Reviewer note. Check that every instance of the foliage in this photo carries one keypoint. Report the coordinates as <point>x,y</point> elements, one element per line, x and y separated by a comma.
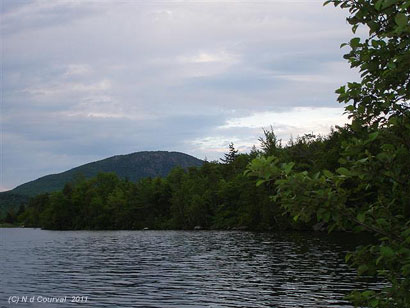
<point>11,201</point>
<point>383,58</point>
<point>368,190</point>
<point>133,166</point>
<point>231,155</point>
<point>215,195</point>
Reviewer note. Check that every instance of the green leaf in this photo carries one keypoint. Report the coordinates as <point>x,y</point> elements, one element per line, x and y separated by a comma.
<point>382,222</point>
<point>361,217</point>
<point>388,3</point>
<point>386,252</point>
<point>260,182</point>
<point>341,90</point>
<point>401,20</point>
<point>288,167</point>
<point>343,171</point>
<point>372,137</point>
<point>391,65</point>
<point>378,5</point>
<point>368,293</point>
<point>327,173</point>
<point>382,156</point>
<point>362,269</point>
<point>406,270</point>
<point>356,125</point>
<point>354,28</point>
<point>350,108</point>
<point>374,302</point>
<point>355,42</point>
<point>393,120</point>
<point>363,160</point>
<point>406,233</point>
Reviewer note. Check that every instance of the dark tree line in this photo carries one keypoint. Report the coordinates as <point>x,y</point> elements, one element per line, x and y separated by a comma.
<point>218,195</point>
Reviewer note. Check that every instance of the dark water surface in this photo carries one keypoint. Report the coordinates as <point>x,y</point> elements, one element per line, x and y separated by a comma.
<point>174,268</point>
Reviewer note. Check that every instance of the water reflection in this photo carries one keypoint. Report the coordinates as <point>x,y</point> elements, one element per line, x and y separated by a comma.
<point>176,268</point>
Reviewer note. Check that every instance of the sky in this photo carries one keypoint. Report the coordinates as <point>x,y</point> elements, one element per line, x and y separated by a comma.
<point>85,80</point>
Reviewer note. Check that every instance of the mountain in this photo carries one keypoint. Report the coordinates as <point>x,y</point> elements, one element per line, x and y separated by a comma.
<point>132,166</point>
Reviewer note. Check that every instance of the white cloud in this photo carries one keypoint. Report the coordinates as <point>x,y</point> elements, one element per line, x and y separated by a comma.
<point>214,146</point>
<point>65,88</point>
<point>105,115</point>
<point>245,131</point>
<point>309,119</point>
<point>209,57</point>
<point>77,69</point>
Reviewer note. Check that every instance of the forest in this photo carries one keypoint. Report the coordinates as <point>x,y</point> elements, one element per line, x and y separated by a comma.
<point>355,179</point>
<point>217,195</point>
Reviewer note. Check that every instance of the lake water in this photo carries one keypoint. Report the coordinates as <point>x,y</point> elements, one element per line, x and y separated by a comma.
<point>173,269</point>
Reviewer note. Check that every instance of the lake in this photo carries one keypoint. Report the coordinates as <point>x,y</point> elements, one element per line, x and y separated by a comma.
<point>174,269</point>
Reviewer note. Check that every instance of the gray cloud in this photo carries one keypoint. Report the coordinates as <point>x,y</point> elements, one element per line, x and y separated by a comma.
<point>83,80</point>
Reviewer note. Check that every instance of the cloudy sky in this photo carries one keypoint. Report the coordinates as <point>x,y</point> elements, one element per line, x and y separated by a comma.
<point>85,80</point>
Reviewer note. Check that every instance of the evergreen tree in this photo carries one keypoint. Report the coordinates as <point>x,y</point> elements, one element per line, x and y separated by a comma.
<point>231,155</point>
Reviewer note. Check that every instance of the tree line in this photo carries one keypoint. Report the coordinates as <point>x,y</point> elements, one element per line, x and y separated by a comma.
<point>217,195</point>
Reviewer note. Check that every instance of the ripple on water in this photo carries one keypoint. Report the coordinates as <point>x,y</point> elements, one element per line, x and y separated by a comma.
<point>176,268</point>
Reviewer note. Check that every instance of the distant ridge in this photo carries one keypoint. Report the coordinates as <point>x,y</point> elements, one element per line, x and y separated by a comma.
<point>133,166</point>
